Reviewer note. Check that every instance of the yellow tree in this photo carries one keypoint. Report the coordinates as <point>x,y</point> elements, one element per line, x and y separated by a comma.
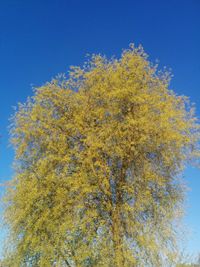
<point>98,159</point>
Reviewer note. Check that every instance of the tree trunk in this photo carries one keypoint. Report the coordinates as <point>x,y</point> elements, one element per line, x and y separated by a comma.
<point>117,238</point>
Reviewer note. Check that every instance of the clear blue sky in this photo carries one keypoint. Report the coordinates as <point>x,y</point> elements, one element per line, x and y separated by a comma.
<point>41,38</point>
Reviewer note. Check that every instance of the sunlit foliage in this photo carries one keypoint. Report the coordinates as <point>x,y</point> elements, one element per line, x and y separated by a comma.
<point>98,158</point>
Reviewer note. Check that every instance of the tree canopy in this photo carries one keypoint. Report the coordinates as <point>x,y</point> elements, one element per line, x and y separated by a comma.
<point>98,160</point>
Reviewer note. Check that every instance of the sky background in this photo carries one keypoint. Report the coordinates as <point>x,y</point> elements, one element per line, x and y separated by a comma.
<point>41,38</point>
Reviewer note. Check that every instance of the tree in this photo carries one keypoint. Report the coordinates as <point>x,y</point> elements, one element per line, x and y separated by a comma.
<point>187,260</point>
<point>98,160</point>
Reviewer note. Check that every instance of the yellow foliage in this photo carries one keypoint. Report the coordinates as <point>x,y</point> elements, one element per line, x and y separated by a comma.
<point>97,161</point>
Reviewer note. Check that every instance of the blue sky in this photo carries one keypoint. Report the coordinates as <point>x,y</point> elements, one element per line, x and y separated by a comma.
<point>41,38</point>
